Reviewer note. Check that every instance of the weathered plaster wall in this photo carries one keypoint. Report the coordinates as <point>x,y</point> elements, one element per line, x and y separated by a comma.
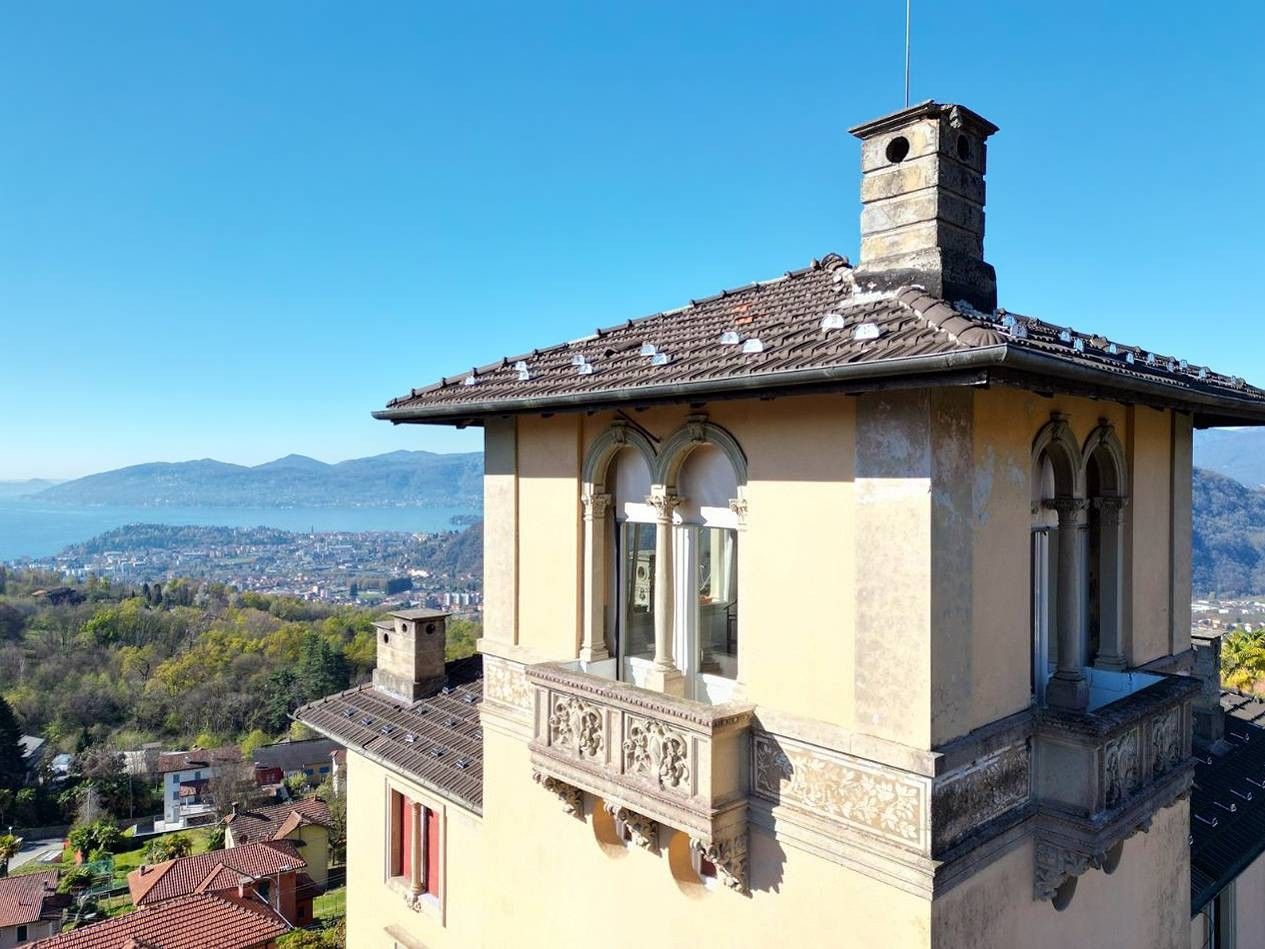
<point>1144,904</point>
<point>500,530</point>
<point>1150,524</point>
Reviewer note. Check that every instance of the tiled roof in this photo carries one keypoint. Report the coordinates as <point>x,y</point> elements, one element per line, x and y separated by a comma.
<point>170,761</point>
<point>813,327</point>
<point>295,755</point>
<point>1227,803</point>
<point>172,878</point>
<point>273,823</point>
<point>22,897</point>
<point>197,921</point>
<point>436,741</point>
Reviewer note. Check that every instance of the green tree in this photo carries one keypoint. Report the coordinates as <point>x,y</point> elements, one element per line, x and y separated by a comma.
<point>168,847</point>
<point>9,847</point>
<point>12,764</point>
<point>322,669</point>
<point>255,740</point>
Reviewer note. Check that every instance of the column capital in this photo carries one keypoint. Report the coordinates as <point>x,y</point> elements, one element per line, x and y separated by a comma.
<point>664,504</point>
<point>595,505</point>
<point>739,507</point>
<point>1110,509</point>
<point>1069,510</point>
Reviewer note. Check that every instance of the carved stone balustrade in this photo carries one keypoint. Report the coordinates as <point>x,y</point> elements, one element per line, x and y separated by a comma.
<point>679,763</point>
<point>1102,774</point>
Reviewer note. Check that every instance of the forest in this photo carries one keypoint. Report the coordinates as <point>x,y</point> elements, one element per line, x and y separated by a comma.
<point>183,662</point>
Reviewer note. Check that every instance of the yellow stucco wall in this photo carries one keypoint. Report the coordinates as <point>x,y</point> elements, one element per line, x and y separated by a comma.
<point>529,874</point>
<point>887,536</point>
<point>1144,904</point>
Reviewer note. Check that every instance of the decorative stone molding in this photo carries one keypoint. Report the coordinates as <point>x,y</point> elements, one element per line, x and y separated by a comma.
<point>739,507</point>
<point>1122,771</point>
<point>639,829</point>
<point>655,752</point>
<point>573,723</point>
<point>729,856</point>
<point>679,763</point>
<point>572,797</point>
<point>1068,509</point>
<point>880,801</point>
<point>664,506</point>
<point>970,797</point>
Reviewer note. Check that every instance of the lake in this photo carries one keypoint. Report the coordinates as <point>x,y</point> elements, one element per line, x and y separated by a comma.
<point>29,529</point>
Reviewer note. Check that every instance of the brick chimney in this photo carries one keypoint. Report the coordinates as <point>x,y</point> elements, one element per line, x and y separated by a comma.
<point>1209,717</point>
<point>411,653</point>
<point>922,202</point>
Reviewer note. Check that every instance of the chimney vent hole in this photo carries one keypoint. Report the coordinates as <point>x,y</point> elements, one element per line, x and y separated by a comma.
<point>386,638</point>
<point>897,149</point>
<point>430,628</point>
<point>964,148</point>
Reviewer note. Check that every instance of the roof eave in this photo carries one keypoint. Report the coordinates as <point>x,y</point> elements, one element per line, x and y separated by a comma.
<point>982,357</point>
<point>1211,409</point>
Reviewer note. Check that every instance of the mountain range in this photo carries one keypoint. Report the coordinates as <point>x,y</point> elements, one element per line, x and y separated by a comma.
<point>399,478</point>
<point>1238,453</point>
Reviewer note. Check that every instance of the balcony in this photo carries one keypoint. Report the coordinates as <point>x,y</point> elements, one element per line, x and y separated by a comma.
<point>1102,773</point>
<point>652,758</point>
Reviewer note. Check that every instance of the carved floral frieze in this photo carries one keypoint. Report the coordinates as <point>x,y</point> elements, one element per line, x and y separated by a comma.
<point>657,753</point>
<point>1166,741</point>
<point>505,683</point>
<point>970,797</point>
<point>879,801</point>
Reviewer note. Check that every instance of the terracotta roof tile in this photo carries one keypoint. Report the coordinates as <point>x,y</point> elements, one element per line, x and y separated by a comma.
<point>197,921</point>
<point>797,349</point>
<point>197,758</point>
<point>273,823</point>
<point>173,878</point>
<point>437,741</point>
<point>22,898</point>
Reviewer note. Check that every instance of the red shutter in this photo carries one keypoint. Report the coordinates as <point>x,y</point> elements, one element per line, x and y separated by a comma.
<point>432,852</point>
<point>394,840</point>
<point>406,838</point>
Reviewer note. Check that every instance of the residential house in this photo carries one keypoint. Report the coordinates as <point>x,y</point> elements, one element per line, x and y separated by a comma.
<point>271,870</point>
<point>304,823</point>
<point>224,920</point>
<point>840,606</point>
<point>186,777</point>
<point>308,758</point>
<point>34,752</point>
<point>30,908</point>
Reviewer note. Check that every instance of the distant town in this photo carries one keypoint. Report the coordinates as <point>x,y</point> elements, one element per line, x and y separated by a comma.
<point>442,569</point>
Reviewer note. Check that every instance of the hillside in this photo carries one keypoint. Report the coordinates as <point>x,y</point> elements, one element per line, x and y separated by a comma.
<point>1236,453</point>
<point>17,489</point>
<point>1229,536</point>
<point>401,478</point>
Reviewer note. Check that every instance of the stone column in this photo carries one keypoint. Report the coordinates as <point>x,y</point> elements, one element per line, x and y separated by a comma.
<point>593,646</point>
<point>419,848</point>
<point>664,675</point>
<point>1068,687</point>
<point>1111,583</point>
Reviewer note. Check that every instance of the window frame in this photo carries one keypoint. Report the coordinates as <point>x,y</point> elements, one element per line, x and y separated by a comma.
<point>434,847</point>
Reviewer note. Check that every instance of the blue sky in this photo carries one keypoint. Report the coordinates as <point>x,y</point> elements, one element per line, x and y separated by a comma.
<point>232,230</point>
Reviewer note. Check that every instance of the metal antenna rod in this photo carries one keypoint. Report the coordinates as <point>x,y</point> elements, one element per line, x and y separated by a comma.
<point>907,3</point>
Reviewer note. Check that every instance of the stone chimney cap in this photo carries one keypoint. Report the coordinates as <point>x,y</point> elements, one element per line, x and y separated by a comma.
<point>958,116</point>
<point>420,614</point>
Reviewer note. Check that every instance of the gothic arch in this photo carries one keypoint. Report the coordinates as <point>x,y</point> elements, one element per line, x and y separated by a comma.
<point>1056,442</point>
<point>1103,439</point>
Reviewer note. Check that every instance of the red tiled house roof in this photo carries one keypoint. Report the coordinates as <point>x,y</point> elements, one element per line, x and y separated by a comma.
<point>275,822</point>
<point>184,875</point>
<point>196,921</point>
<point>23,898</point>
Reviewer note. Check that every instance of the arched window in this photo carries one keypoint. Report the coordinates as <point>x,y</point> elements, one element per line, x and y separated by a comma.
<point>1104,588</point>
<point>1058,575</point>
<point>633,564</point>
<point>708,567</point>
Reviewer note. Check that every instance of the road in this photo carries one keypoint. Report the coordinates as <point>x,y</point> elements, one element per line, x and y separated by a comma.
<point>35,849</point>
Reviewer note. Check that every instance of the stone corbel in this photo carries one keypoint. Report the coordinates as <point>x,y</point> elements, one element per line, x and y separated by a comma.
<point>639,829</point>
<point>729,856</point>
<point>1057,866</point>
<point>572,797</point>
